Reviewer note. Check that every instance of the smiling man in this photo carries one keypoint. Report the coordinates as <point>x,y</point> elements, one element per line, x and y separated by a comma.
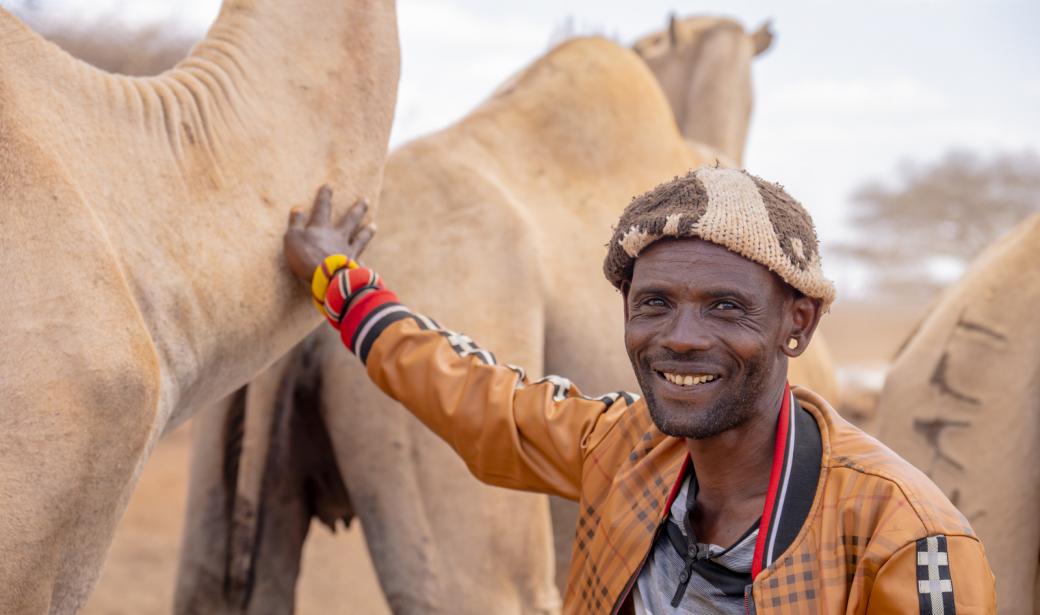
<point>722,490</point>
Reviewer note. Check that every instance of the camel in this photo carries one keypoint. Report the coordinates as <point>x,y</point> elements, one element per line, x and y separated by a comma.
<point>960,403</point>
<point>494,225</point>
<point>702,65</point>
<point>159,204</point>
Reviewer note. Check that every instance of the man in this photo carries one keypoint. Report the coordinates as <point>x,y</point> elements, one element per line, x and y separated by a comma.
<point>722,489</point>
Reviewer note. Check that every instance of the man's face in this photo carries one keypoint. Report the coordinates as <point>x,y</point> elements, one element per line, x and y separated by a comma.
<point>705,329</point>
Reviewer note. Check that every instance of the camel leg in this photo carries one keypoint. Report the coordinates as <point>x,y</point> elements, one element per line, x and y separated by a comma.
<point>203,553</point>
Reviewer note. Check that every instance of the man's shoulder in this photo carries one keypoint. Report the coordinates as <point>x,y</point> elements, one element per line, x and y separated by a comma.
<point>626,424</point>
<point>627,436</point>
<point>880,479</point>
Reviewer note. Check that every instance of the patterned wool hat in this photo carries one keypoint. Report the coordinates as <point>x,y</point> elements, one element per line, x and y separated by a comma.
<point>743,213</point>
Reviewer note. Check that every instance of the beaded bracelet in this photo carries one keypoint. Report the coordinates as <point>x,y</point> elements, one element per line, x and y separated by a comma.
<point>347,287</point>
<point>323,274</point>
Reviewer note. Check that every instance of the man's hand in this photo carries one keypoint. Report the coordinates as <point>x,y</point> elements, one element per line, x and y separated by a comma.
<point>309,241</point>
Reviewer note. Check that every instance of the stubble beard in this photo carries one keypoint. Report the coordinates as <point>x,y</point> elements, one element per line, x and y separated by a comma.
<point>728,412</point>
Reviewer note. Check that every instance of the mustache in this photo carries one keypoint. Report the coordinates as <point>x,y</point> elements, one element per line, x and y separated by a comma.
<point>690,357</point>
<point>682,357</point>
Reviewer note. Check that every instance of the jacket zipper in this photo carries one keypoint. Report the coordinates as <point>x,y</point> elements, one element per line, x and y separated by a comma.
<point>747,600</point>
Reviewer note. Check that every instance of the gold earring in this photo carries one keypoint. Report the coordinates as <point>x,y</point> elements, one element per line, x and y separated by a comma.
<point>792,343</point>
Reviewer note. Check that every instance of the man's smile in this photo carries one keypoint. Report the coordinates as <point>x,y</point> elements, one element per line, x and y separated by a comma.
<point>687,379</point>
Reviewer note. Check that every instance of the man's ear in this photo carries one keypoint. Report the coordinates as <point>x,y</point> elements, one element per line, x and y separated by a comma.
<point>803,315</point>
<point>625,285</point>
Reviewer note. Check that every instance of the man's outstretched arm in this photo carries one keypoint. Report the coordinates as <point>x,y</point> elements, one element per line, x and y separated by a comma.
<point>510,431</point>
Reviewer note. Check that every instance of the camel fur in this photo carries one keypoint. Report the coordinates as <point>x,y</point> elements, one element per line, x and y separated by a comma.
<point>156,206</point>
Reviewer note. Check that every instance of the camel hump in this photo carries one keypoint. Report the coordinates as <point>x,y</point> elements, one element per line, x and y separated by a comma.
<point>586,106</point>
<point>584,75</point>
<point>581,64</point>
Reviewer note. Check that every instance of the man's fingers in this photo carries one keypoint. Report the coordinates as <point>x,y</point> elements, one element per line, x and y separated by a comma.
<point>297,218</point>
<point>352,219</point>
<point>322,207</point>
<point>361,239</point>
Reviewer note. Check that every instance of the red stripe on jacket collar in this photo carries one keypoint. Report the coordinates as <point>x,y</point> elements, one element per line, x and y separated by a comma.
<point>783,426</point>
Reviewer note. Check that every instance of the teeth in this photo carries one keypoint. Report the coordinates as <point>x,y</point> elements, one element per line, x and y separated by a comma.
<point>688,379</point>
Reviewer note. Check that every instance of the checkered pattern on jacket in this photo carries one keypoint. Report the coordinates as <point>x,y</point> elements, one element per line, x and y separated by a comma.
<point>626,482</point>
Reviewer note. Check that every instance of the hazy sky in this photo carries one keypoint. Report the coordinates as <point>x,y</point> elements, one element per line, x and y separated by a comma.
<point>847,91</point>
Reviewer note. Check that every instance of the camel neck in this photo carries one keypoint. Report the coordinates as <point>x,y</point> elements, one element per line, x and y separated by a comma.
<point>188,176</point>
<point>708,84</point>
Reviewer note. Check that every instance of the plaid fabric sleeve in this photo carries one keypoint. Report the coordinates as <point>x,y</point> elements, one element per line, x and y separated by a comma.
<point>511,431</point>
<point>935,575</point>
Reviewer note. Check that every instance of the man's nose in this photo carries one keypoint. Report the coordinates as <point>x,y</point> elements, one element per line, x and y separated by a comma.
<point>687,332</point>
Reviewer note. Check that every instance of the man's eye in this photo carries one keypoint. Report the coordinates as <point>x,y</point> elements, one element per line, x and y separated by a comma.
<point>726,305</point>
<point>654,302</point>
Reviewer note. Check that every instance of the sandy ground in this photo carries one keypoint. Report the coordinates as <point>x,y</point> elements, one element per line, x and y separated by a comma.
<point>337,574</point>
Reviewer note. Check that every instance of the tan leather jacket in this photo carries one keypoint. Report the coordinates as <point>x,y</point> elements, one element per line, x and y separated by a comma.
<point>848,527</point>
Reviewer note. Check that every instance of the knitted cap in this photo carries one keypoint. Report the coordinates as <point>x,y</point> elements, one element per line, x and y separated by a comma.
<point>734,209</point>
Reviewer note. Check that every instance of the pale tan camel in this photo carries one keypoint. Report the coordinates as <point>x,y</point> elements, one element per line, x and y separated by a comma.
<point>155,207</point>
<point>703,66</point>
<point>961,403</point>
<point>494,225</point>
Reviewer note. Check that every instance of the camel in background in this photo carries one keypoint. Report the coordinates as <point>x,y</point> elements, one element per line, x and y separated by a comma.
<point>495,225</point>
<point>158,205</point>
<point>703,67</point>
<point>960,402</point>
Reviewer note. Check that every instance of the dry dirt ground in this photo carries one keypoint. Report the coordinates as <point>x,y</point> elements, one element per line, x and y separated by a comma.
<point>337,574</point>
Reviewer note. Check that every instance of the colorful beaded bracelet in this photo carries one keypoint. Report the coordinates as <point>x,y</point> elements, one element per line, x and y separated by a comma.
<point>323,274</point>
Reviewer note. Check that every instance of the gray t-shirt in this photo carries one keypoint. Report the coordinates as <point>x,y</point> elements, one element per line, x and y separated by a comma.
<point>715,579</point>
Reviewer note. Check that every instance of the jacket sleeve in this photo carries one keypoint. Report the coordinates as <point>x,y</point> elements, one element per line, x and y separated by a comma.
<point>511,432</point>
<point>933,574</point>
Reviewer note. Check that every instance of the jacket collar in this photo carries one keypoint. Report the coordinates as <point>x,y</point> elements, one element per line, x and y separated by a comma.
<point>797,455</point>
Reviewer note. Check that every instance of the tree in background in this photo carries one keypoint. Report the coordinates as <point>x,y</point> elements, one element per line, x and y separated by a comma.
<point>917,235</point>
